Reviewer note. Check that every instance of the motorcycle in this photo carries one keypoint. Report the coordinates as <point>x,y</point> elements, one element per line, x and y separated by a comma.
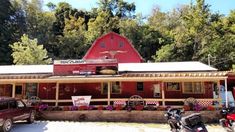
<point>228,119</point>
<point>179,123</point>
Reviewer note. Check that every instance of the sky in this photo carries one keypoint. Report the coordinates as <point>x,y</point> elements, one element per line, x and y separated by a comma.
<point>145,6</point>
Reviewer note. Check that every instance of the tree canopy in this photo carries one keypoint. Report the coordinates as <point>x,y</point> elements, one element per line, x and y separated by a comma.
<point>27,51</point>
<point>187,33</point>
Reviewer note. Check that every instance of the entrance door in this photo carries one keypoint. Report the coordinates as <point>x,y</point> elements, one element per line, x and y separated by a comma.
<point>157,90</point>
<point>19,91</point>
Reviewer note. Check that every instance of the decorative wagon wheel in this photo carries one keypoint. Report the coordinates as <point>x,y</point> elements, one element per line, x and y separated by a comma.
<point>191,102</point>
<point>135,100</point>
<point>34,100</point>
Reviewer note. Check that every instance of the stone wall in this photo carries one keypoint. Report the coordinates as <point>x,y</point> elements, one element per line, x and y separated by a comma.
<point>121,116</point>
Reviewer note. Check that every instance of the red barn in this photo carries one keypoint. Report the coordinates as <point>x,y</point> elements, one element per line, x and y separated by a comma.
<point>113,46</point>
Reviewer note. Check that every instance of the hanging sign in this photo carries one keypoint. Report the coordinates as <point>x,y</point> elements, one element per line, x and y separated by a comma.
<point>81,100</point>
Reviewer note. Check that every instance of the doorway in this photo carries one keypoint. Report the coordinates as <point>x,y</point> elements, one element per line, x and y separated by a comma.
<point>19,91</point>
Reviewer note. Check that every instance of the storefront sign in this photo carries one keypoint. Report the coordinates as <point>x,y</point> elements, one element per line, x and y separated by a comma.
<point>81,100</point>
<point>69,61</point>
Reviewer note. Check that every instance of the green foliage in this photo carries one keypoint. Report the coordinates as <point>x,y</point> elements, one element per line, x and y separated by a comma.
<point>28,52</point>
<point>190,32</point>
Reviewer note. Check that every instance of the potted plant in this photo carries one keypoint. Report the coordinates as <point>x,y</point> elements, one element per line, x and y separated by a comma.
<point>100,107</point>
<point>139,107</point>
<point>118,107</point>
<point>83,107</point>
<point>109,107</point>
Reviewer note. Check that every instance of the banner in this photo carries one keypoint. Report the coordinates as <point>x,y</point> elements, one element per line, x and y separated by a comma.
<point>81,100</point>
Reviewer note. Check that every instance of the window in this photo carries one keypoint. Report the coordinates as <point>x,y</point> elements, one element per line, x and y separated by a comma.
<point>172,86</point>
<point>20,104</point>
<point>12,104</point>
<point>104,88</point>
<point>193,87</point>
<point>18,89</point>
<point>102,45</point>
<point>140,86</point>
<point>31,89</point>
<point>121,44</point>
<point>115,88</point>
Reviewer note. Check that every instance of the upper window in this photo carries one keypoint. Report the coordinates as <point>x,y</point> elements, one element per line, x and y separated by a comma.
<point>120,44</point>
<point>102,45</point>
<point>140,86</point>
<point>193,87</point>
<point>172,86</point>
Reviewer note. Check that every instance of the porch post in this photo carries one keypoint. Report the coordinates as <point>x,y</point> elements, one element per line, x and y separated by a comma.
<point>109,91</point>
<point>57,94</point>
<point>13,90</point>
<point>219,95</point>
<point>163,93</point>
<point>226,92</point>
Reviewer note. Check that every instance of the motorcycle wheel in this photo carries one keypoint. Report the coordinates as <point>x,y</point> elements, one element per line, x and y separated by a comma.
<point>173,125</point>
<point>233,127</point>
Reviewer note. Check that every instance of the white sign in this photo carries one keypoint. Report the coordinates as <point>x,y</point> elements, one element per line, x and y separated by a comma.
<point>81,100</point>
<point>69,61</point>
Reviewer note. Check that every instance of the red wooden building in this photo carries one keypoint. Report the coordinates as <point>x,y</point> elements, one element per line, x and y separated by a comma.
<point>113,70</point>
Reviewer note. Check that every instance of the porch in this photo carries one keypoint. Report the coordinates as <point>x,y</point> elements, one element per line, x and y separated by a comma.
<point>102,94</point>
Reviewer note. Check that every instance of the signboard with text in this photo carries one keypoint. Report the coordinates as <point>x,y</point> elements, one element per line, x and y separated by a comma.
<point>81,100</point>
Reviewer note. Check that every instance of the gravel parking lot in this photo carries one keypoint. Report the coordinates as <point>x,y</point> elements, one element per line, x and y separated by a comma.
<point>66,126</point>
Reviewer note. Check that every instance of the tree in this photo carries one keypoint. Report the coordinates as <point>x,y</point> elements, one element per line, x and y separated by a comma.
<point>28,52</point>
<point>117,8</point>
<point>73,43</point>
<point>102,24</point>
<point>145,39</point>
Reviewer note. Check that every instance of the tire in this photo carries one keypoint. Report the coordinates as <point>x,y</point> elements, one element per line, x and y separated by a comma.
<point>7,125</point>
<point>233,127</point>
<point>173,125</point>
<point>31,117</point>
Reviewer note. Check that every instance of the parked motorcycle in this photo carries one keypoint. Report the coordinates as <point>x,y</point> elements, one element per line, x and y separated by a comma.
<point>228,119</point>
<point>179,123</point>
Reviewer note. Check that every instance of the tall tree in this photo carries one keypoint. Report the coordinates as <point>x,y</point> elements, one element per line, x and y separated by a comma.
<point>28,52</point>
<point>117,8</point>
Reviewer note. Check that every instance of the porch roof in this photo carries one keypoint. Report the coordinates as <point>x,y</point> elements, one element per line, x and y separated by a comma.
<point>26,69</point>
<point>163,76</point>
<point>25,76</point>
<point>188,66</point>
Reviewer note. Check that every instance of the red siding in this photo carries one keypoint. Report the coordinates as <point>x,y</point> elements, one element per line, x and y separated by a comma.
<point>120,47</point>
<point>47,90</point>
<point>127,89</point>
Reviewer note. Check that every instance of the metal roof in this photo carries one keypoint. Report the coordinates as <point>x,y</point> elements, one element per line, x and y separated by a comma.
<point>26,69</point>
<point>192,66</point>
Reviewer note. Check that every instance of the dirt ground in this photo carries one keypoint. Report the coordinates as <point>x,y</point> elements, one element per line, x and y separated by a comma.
<point>68,126</point>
